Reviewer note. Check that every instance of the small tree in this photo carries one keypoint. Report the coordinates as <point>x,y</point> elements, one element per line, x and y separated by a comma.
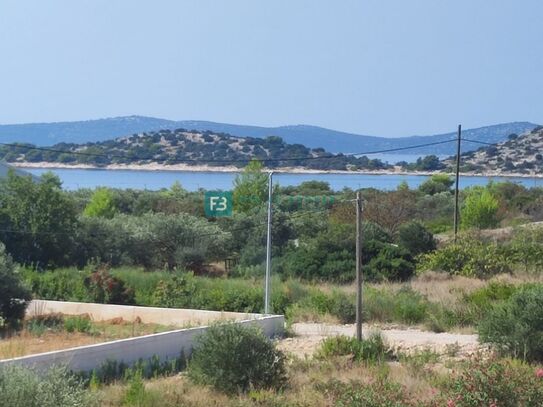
<point>14,296</point>
<point>250,187</point>
<point>101,204</point>
<point>480,209</point>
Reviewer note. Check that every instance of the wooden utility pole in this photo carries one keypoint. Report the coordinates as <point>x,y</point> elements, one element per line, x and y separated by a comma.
<point>358,266</point>
<point>456,188</point>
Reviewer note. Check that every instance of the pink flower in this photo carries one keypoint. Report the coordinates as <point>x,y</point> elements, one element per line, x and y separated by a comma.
<point>451,403</point>
<point>539,373</point>
<point>493,404</point>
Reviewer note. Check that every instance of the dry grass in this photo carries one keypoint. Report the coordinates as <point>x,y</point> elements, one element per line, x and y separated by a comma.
<point>27,343</point>
<point>304,376</point>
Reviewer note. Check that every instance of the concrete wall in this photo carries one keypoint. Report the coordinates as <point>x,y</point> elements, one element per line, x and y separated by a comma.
<point>162,316</point>
<point>166,345</point>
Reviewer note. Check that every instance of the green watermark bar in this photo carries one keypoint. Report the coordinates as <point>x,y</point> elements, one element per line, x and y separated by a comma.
<point>221,203</point>
<point>218,204</point>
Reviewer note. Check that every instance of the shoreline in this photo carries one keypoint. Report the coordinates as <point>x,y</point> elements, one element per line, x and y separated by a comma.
<point>232,169</point>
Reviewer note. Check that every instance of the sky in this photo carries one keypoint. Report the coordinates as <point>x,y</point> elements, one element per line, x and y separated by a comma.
<point>377,67</point>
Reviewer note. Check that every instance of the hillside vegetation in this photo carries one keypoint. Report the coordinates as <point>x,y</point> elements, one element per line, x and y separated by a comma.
<point>519,154</point>
<point>189,147</point>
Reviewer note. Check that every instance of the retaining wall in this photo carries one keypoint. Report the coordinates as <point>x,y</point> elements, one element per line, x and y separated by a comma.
<point>166,345</point>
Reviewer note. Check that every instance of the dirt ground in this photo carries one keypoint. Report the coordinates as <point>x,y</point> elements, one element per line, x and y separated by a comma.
<point>308,336</point>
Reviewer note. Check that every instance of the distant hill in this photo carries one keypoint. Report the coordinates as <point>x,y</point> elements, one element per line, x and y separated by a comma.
<point>46,134</point>
<point>167,147</point>
<point>519,155</point>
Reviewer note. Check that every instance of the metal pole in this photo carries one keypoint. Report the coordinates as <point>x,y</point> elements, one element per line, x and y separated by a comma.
<point>268,246</point>
<point>456,208</point>
<point>358,266</point>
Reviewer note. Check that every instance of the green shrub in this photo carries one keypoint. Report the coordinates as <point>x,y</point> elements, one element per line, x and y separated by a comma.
<point>234,358</point>
<point>175,292</point>
<point>468,257</point>
<point>21,386</point>
<point>59,285</point>
<point>136,394</point>
<point>371,350</point>
<point>527,248</point>
<point>80,324</point>
<point>515,327</point>
<point>38,324</point>
<point>414,237</point>
<point>404,306</point>
<point>390,263</point>
<point>14,296</point>
<point>480,209</point>
<point>494,383</point>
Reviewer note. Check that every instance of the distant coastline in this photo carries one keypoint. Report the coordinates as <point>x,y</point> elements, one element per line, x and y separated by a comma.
<point>231,169</point>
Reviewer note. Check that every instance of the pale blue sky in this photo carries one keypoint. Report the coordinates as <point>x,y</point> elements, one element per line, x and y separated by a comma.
<point>379,67</point>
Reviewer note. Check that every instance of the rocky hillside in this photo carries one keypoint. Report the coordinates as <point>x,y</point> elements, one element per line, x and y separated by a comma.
<point>188,147</point>
<point>519,155</point>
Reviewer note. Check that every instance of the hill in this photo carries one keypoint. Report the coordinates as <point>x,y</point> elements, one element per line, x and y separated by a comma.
<point>180,146</point>
<point>518,155</point>
<point>45,134</point>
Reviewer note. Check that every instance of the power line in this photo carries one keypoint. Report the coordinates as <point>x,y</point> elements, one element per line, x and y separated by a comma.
<point>202,161</point>
<point>479,142</point>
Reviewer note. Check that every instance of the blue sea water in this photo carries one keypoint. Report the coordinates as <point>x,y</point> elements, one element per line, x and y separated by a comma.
<point>154,180</point>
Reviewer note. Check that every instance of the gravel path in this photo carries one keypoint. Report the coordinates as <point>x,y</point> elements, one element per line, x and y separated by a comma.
<point>309,335</point>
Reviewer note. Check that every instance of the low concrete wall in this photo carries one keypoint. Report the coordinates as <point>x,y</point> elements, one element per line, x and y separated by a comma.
<point>147,315</point>
<point>166,345</point>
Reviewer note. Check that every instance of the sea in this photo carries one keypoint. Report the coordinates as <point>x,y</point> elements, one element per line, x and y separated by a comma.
<point>154,180</point>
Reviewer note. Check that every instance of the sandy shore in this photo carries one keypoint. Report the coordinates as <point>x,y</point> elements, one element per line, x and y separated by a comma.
<point>232,169</point>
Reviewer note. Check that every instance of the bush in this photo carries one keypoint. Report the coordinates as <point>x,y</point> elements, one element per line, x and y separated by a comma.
<point>468,257</point>
<point>38,324</point>
<point>106,289</point>
<point>59,285</point>
<point>515,327</point>
<point>372,350</point>
<point>480,209</point>
<point>174,293</point>
<point>57,388</point>
<point>390,263</point>
<point>14,296</point>
<point>414,237</point>
<point>234,358</point>
<point>404,306</point>
<point>81,324</point>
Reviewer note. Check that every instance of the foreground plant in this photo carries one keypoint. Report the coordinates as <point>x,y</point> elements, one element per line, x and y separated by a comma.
<point>21,386</point>
<point>234,358</point>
